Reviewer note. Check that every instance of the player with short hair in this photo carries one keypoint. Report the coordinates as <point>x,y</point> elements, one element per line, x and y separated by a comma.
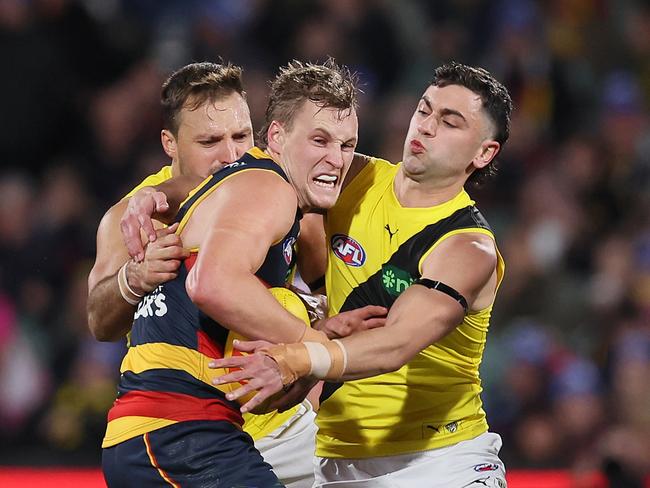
<point>206,125</point>
<point>402,404</point>
<point>241,224</point>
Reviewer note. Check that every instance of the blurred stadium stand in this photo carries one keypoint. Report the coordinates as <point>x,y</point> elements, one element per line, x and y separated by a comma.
<point>567,368</point>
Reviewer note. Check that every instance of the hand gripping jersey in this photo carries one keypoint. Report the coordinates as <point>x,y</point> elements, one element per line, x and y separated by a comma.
<point>165,376</point>
<point>376,249</point>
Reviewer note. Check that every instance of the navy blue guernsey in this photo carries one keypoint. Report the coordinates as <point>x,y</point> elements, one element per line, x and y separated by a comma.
<point>165,378</point>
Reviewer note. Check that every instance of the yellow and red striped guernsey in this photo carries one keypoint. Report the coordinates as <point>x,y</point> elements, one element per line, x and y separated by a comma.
<point>165,377</point>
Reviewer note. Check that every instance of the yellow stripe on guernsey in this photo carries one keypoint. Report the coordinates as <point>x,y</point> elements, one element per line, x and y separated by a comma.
<point>146,357</point>
<point>257,426</point>
<point>433,401</point>
<point>164,174</point>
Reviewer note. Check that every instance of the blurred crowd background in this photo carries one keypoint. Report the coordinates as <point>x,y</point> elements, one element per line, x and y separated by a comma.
<point>567,368</point>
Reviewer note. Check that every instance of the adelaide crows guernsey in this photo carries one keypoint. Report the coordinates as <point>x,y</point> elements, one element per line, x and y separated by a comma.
<point>165,376</point>
<point>376,250</point>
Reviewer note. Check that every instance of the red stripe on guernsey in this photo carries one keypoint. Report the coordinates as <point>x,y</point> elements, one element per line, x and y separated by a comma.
<point>172,406</point>
<point>207,346</point>
<point>190,260</point>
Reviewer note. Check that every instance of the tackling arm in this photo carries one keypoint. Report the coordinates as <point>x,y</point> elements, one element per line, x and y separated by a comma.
<point>418,318</point>
<point>109,315</point>
<point>235,228</point>
<point>160,202</point>
<point>422,316</point>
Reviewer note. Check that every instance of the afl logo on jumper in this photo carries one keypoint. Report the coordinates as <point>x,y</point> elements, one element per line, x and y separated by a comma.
<point>236,164</point>
<point>348,250</point>
<point>287,249</point>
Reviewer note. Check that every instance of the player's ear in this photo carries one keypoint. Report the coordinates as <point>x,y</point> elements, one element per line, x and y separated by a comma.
<point>168,142</point>
<point>487,152</point>
<point>275,136</point>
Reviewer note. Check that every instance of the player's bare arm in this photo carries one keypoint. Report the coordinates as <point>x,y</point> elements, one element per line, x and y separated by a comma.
<point>109,313</point>
<point>419,317</point>
<point>422,316</point>
<point>234,229</point>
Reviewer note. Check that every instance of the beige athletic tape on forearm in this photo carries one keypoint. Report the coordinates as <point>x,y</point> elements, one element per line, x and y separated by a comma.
<point>313,335</point>
<point>322,360</point>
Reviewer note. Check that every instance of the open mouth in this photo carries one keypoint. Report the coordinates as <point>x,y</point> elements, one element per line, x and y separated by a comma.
<point>326,181</point>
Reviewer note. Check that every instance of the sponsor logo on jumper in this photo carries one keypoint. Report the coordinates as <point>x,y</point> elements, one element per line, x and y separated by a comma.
<point>287,249</point>
<point>395,280</point>
<point>348,250</point>
<point>152,304</point>
<point>486,467</point>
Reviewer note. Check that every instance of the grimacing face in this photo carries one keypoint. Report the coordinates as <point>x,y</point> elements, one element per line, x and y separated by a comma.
<point>316,152</point>
<point>210,136</point>
<point>450,135</point>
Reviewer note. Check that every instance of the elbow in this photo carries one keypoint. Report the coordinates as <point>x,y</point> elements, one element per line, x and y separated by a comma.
<point>391,362</point>
<point>397,355</point>
<point>97,331</point>
<point>207,294</point>
<point>100,329</point>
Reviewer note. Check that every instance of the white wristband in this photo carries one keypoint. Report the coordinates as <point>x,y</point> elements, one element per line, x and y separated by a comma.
<point>126,283</point>
<point>320,359</point>
<point>345,354</point>
<point>125,289</point>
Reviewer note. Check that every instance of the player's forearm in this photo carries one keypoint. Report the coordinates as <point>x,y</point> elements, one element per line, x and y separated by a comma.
<point>110,317</point>
<point>241,303</point>
<point>412,325</point>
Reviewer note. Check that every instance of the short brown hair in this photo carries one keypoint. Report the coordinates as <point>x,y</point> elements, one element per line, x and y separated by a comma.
<point>193,84</point>
<point>327,85</point>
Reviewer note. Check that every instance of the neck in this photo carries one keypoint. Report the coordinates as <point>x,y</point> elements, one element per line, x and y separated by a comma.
<point>176,168</point>
<point>414,193</point>
<point>275,156</point>
<point>304,208</point>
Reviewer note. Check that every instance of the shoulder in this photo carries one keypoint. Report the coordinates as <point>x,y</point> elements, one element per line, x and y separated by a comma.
<point>164,174</point>
<point>363,164</point>
<point>111,219</point>
<point>259,188</point>
<point>467,253</point>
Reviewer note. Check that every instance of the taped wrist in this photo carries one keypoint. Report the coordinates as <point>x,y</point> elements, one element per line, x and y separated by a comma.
<point>313,335</point>
<point>326,361</point>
